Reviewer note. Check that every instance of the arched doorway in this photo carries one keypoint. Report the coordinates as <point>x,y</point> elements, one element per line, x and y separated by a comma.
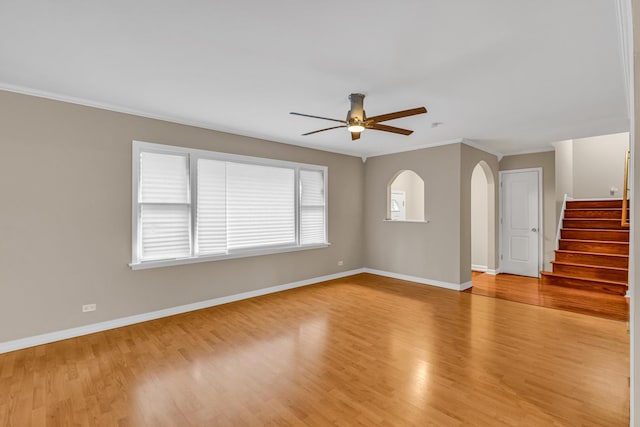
<point>483,228</point>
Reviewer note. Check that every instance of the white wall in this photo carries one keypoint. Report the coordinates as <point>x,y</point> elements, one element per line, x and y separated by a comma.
<point>590,167</point>
<point>598,165</point>
<point>479,218</point>
<point>564,172</point>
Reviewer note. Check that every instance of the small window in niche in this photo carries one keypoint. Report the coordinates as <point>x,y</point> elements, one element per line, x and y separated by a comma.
<point>405,197</point>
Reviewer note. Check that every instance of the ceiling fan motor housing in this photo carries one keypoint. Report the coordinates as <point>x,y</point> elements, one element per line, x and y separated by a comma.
<point>356,115</point>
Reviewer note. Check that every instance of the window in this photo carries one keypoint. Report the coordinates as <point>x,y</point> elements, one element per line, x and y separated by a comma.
<point>194,205</point>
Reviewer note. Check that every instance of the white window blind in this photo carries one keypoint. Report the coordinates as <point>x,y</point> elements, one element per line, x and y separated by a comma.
<point>193,204</point>
<point>164,206</point>
<point>312,207</point>
<point>212,211</point>
<point>261,205</point>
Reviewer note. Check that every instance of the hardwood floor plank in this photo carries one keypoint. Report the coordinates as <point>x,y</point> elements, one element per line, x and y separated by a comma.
<point>363,350</point>
<point>530,290</point>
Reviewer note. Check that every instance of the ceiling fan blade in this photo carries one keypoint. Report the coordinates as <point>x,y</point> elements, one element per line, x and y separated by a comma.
<point>397,115</point>
<point>322,130</point>
<point>392,129</point>
<point>355,135</point>
<point>318,117</point>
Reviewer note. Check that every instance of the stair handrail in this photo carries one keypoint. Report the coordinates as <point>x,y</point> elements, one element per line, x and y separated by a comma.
<point>625,191</point>
<point>564,207</point>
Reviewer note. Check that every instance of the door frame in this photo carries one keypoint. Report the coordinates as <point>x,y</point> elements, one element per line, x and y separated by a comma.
<point>540,216</point>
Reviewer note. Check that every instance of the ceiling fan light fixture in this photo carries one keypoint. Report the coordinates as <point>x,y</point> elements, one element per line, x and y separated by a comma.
<point>355,124</point>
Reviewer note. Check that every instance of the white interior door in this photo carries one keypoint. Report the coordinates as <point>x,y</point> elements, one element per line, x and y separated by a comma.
<point>398,208</point>
<point>520,253</point>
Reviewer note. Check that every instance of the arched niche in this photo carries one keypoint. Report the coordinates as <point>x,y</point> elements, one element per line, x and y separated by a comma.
<point>405,197</point>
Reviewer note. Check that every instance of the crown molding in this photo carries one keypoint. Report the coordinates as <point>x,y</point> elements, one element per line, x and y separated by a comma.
<point>532,151</point>
<point>165,118</point>
<point>414,148</point>
<point>477,146</point>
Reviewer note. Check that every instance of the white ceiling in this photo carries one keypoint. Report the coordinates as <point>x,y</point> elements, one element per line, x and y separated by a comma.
<point>509,75</point>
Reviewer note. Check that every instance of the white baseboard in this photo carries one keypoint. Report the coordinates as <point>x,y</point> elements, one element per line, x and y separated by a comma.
<point>422,280</point>
<point>484,269</point>
<point>49,337</point>
<point>21,343</point>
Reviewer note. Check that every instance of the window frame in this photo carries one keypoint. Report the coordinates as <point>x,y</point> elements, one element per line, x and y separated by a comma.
<point>193,155</point>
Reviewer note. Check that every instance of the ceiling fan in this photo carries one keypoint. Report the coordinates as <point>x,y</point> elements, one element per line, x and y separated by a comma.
<point>357,120</point>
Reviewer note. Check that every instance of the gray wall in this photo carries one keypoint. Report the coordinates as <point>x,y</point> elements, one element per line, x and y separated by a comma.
<point>428,250</point>
<point>65,181</point>
<point>441,249</point>
<point>546,161</point>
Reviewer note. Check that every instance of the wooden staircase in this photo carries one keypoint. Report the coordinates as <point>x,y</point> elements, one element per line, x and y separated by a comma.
<point>593,250</point>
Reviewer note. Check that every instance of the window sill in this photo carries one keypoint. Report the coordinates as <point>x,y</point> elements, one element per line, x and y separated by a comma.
<point>143,265</point>
<point>426,221</point>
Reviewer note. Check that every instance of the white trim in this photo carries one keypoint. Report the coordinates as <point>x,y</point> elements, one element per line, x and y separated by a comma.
<point>219,128</point>
<point>477,146</point>
<point>21,343</point>
<point>421,280</point>
<point>540,215</point>
<point>143,265</point>
<point>164,117</point>
<point>193,155</point>
<point>484,269</point>
<point>426,221</point>
<point>92,328</point>
<point>531,151</point>
<point>625,45</point>
<point>415,148</point>
<point>632,291</point>
<point>465,141</point>
<point>564,207</point>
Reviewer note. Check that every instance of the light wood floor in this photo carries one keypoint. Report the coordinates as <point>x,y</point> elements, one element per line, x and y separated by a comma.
<point>530,290</point>
<point>363,350</point>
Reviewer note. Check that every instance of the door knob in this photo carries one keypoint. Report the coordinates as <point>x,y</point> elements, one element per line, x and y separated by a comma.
<point>534,229</point>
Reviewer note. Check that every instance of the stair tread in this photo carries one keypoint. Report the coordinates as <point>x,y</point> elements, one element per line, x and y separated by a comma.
<point>597,229</point>
<point>576,264</point>
<point>569,276</point>
<point>593,219</point>
<point>595,241</point>
<point>591,253</point>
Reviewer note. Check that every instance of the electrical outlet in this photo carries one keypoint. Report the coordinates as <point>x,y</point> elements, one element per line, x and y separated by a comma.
<point>88,307</point>
<point>340,262</point>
